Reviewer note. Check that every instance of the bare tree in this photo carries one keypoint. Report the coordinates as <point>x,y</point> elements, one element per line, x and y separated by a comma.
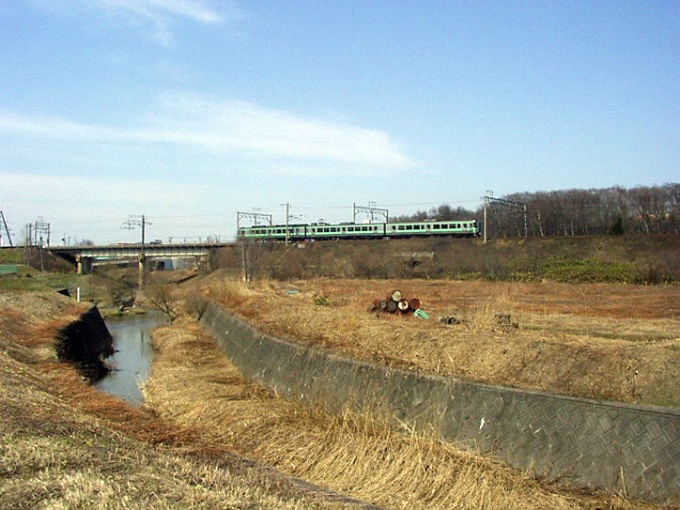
<point>160,295</point>
<point>579,212</point>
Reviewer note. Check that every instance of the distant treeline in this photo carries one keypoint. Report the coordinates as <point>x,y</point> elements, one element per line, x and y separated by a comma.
<point>575,212</point>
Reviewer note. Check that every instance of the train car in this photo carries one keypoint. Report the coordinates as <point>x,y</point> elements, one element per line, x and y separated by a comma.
<point>346,231</point>
<point>454,228</point>
<point>273,232</point>
<point>327,231</point>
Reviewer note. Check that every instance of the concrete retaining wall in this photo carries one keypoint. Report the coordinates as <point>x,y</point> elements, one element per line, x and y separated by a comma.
<point>592,444</point>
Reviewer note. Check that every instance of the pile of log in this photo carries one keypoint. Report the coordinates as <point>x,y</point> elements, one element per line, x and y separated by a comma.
<point>396,303</point>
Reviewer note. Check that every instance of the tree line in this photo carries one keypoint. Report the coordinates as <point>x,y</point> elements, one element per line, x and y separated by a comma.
<point>573,212</point>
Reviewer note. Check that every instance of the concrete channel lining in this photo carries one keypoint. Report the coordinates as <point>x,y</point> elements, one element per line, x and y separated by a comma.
<point>591,444</point>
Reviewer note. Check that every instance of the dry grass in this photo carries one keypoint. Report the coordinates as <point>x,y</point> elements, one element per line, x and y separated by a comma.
<point>194,386</point>
<point>613,342</point>
<point>63,444</point>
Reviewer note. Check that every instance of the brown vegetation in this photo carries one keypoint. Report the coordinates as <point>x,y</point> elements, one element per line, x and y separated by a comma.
<point>64,444</point>
<point>606,259</point>
<point>602,341</point>
<point>355,455</point>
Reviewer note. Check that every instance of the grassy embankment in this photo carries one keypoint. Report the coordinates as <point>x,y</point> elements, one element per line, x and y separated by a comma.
<point>358,455</point>
<point>621,259</point>
<point>601,341</point>
<point>64,444</point>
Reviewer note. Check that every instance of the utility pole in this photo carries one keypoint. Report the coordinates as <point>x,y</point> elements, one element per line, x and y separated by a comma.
<point>42,227</point>
<point>486,203</point>
<point>256,217</point>
<point>9,237</point>
<point>288,218</point>
<point>137,221</point>
<point>130,224</point>
<point>371,210</point>
<point>246,254</point>
<point>489,199</point>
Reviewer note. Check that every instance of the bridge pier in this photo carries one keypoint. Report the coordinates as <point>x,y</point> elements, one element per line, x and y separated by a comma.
<point>84,264</point>
<point>142,269</point>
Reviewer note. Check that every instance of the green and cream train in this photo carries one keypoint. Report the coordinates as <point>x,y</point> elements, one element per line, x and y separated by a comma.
<point>326,231</point>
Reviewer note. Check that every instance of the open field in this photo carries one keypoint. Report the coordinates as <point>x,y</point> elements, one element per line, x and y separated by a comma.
<point>602,341</point>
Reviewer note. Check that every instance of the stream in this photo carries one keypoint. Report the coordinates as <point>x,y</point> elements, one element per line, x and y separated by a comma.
<point>131,363</point>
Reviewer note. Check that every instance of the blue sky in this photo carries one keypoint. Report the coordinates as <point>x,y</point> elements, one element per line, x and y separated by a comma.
<point>187,111</point>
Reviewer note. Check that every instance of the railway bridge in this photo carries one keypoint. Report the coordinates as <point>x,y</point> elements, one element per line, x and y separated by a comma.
<point>85,258</point>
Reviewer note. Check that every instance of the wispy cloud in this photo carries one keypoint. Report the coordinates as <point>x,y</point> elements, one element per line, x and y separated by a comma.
<point>160,15</point>
<point>194,9</point>
<point>161,9</point>
<point>228,127</point>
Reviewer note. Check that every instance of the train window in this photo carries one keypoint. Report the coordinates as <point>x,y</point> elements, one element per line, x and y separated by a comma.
<point>435,226</point>
<point>401,227</point>
<point>375,228</point>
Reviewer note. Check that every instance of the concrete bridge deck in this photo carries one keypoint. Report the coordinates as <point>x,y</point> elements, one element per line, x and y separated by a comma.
<point>85,257</point>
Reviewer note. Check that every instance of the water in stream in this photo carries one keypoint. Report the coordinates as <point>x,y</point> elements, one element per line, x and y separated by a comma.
<point>132,361</point>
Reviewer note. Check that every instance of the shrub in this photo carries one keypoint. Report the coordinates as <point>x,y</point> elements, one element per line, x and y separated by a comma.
<point>588,270</point>
<point>322,300</point>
